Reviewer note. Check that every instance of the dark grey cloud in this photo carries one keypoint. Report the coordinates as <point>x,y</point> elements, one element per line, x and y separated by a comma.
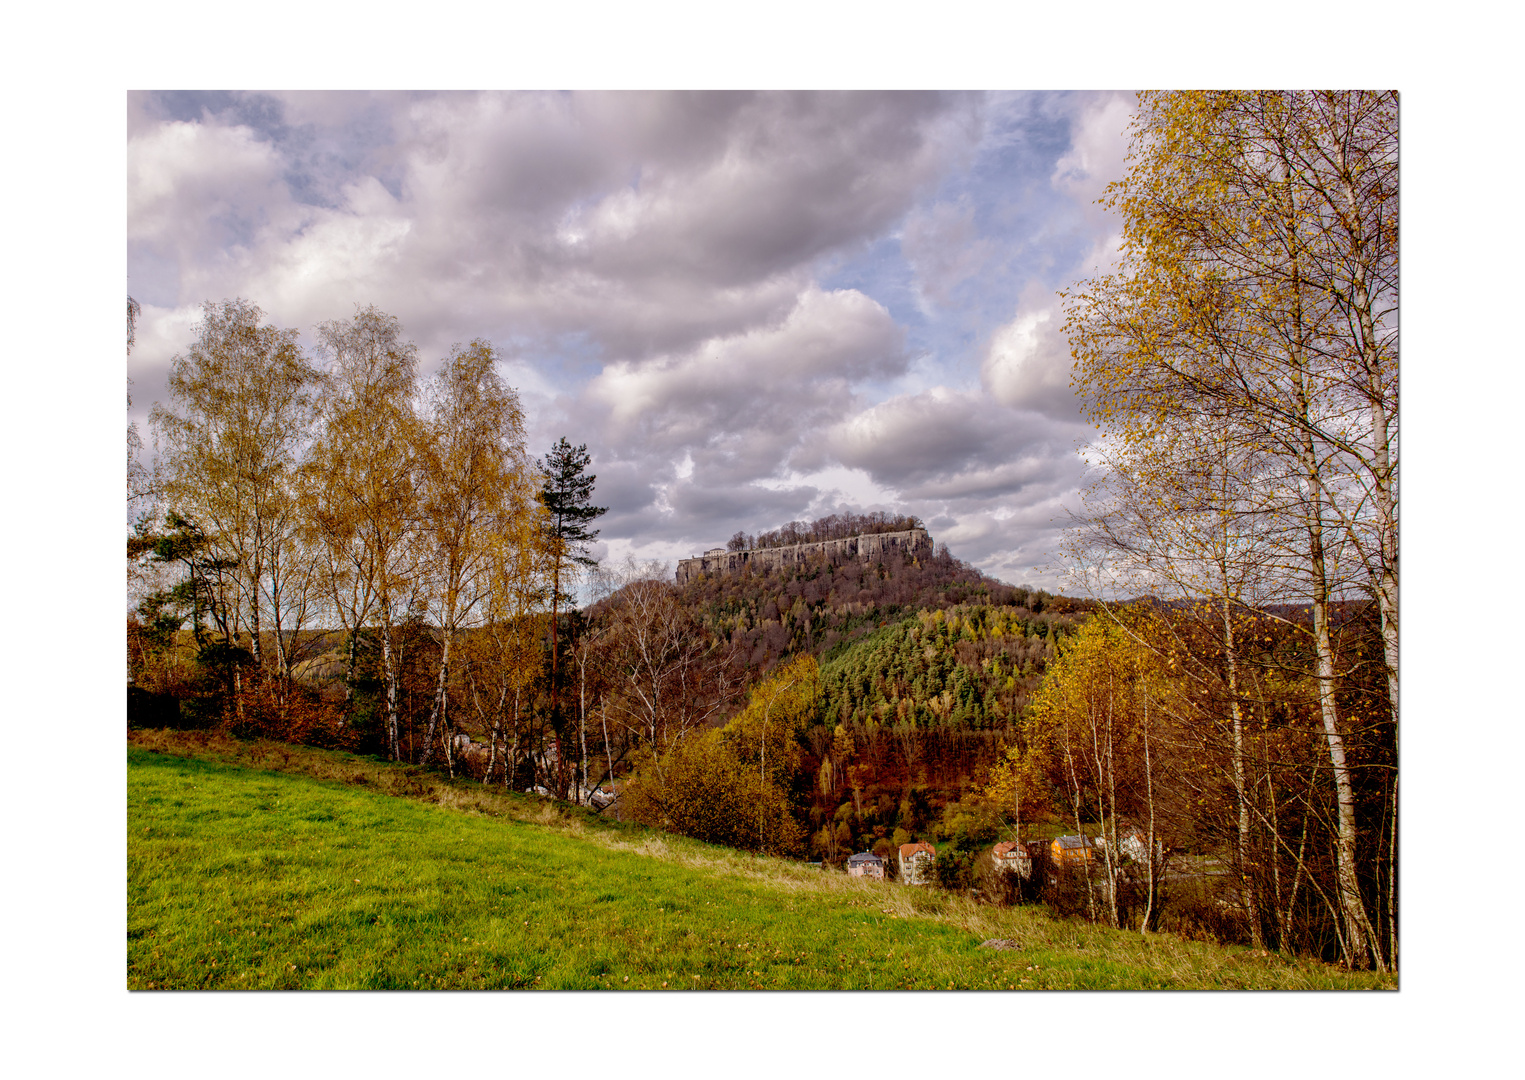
<point>955,444</point>
<point>743,403</point>
<point>644,222</point>
<point>703,516</point>
<point>652,221</point>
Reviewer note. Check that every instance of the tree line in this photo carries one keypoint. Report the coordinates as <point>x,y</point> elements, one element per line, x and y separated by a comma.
<point>831,527</point>
<point>332,549</point>
<point>1242,367</point>
<point>307,506</point>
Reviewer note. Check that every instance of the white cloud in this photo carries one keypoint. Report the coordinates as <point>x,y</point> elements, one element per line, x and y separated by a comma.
<point>1027,363</point>
<point>1097,154</point>
<point>201,197</point>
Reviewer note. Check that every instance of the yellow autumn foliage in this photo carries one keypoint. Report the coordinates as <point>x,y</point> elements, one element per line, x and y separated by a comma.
<point>731,785</point>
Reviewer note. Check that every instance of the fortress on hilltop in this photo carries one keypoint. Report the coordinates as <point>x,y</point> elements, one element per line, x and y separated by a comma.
<point>869,547</point>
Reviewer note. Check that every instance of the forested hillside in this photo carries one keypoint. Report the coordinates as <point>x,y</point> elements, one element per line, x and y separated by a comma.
<point>915,713</point>
<point>925,668</point>
<point>812,608</point>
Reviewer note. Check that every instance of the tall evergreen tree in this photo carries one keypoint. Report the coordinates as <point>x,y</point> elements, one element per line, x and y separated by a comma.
<point>567,497</point>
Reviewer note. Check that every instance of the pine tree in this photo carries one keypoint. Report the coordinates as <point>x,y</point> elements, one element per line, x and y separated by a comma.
<point>567,497</point>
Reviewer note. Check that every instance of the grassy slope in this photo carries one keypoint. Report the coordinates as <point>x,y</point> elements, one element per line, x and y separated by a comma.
<point>257,865</point>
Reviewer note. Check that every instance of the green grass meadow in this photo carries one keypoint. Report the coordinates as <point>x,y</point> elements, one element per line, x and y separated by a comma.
<point>263,867</point>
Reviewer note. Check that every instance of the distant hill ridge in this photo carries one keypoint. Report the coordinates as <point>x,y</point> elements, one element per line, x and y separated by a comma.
<point>866,547</point>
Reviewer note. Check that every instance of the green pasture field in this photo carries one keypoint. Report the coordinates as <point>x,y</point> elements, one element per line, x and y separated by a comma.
<point>264,866</point>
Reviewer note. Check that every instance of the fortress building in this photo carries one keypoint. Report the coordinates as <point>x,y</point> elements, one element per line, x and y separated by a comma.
<point>869,547</point>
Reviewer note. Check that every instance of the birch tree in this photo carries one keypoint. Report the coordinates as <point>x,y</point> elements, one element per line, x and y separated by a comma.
<point>504,655</point>
<point>1259,290</point>
<point>669,677</point>
<point>471,458</point>
<point>365,504</point>
<point>233,434</point>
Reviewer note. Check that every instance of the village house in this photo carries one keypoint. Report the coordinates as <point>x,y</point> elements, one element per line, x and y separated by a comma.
<point>865,864</point>
<point>915,862</point>
<point>1132,842</point>
<point>1010,855</point>
<point>1134,846</point>
<point>1069,850</point>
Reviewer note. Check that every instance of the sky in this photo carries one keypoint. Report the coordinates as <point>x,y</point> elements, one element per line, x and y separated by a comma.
<point>751,307</point>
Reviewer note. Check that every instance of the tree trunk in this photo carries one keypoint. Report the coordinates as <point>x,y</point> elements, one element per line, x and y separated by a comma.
<point>608,748</point>
<point>1247,883</point>
<point>492,753</point>
<point>254,642</point>
<point>390,673</point>
<point>349,675</point>
<point>1143,925</point>
<point>582,732</point>
<point>555,701</point>
<point>1357,927</point>
<point>1383,480</point>
<point>1069,759</point>
<point>437,709</point>
<point>1357,936</point>
<point>511,766</point>
<point>1392,880</point>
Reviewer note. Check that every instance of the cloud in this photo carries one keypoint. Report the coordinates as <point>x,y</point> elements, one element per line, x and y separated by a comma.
<point>986,478</point>
<point>1097,155</point>
<point>947,446</point>
<point>201,198</point>
<point>741,404</point>
<point>641,223</point>
<point>943,245</point>
<point>1027,362</point>
<point>704,441</point>
<point>751,306</point>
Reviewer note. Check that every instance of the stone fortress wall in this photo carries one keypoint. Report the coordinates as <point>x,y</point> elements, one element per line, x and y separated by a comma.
<point>870,547</point>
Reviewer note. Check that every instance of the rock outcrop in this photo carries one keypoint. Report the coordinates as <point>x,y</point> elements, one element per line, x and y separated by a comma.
<point>869,547</point>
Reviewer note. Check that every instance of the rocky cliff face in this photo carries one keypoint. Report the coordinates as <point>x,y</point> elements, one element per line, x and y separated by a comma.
<point>871,547</point>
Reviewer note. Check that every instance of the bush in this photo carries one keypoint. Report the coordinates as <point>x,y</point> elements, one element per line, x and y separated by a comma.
<point>1199,909</point>
<point>954,867</point>
<point>1004,886</point>
<point>1066,891</point>
<point>297,716</point>
<point>702,789</point>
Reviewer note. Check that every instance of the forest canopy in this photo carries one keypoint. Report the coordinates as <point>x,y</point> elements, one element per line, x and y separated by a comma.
<point>830,527</point>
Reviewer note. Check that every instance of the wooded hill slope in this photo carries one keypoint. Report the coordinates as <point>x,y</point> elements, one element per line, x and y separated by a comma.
<point>813,607</point>
<point>925,666</point>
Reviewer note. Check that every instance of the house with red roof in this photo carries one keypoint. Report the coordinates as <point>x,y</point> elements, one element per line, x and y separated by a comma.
<point>1010,855</point>
<point>916,862</point>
